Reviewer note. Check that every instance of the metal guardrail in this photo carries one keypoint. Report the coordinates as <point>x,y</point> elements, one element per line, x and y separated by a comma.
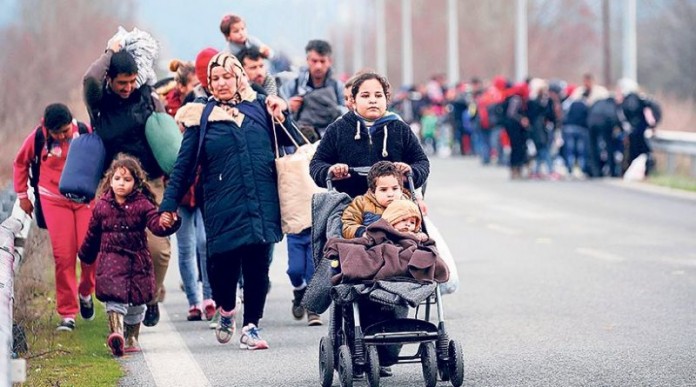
<point>13,232</point>
<point>677,148</point>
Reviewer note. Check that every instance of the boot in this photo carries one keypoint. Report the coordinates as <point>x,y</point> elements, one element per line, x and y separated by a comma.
<point>115,340</point>
<point>298,310</point>
<point>131,336</point>
<point>313,319</point>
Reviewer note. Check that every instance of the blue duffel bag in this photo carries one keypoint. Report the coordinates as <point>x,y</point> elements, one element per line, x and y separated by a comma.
<point>84,168</point>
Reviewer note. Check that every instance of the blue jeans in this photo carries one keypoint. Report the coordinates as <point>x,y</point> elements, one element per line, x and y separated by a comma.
<point>191,242</point>
<point>543,156</point>
<point>575,142</point>
<point>490,140</point>
<point>300,262</point>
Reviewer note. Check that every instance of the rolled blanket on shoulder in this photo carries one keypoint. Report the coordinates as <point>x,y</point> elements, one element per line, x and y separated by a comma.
<point>145,51</point>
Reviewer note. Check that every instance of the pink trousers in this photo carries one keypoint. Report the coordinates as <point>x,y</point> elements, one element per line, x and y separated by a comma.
<point>67,224</point>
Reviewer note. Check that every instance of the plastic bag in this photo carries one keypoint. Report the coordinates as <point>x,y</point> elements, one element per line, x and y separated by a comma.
<point>452,285</point>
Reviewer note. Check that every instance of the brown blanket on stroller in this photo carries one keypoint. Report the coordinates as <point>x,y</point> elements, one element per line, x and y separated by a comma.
<point>384,253</point>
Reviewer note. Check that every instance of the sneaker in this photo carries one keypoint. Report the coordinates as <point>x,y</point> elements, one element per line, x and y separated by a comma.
<point>152,315</point>
<point>87,308</point>
<point>215,320</point>
<point>195,314</point>
<point>225,329</point>
<point>66,325</point>
<point>385,372</point>
<point>298,311</point>
<point>313,319</point>
<point>250,338</point>
<point>209,309</point>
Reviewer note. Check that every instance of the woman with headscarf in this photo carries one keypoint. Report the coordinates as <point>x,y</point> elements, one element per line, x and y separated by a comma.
<point>231,138</point>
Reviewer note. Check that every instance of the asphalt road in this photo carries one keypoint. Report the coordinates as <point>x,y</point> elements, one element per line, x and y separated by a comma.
<point>570,283</point>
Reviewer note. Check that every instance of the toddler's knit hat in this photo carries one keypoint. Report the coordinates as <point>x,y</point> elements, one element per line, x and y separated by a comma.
<point>401,209</point>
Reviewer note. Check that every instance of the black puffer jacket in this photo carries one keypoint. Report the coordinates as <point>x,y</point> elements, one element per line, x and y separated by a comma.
<point>120,122</point>
<point>341,144</point>
<point>240,194</point>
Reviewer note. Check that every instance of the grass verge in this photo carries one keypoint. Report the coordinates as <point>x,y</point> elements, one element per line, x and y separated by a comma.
<point>672,181</point>
<point>78,358</point>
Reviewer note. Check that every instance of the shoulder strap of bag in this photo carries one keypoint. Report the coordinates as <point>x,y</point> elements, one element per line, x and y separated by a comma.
<point>287,132</point>
<point>82,128</point>
<point>204,127</point>
<point>35,166</point>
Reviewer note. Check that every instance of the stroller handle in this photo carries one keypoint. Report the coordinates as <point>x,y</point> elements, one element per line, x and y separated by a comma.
<point>363,171</point>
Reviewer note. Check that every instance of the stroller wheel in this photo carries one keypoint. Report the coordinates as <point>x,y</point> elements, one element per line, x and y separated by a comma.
<point>372,366</point>
<point>345,366</point>
<point>326,362</point>
<point>429,363</point>
<point>456,363</point>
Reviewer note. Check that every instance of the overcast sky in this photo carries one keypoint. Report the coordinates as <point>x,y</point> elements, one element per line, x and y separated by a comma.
<point>185,27</point>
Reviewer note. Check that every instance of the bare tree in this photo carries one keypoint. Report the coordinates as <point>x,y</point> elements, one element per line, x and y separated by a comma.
<point>667,47</point>
<point>50,44</point>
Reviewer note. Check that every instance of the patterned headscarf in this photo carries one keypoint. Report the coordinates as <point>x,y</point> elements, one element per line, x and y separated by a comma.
<point>231,64</point>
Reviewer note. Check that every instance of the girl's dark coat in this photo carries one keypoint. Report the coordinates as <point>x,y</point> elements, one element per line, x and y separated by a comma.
<point>116,240</point>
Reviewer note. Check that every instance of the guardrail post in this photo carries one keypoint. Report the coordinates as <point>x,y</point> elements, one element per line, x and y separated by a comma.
<point>15,228</point>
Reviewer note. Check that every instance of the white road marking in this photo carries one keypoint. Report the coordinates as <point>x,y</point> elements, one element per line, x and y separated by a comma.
<point>600,254</point>
<point>503,229</point>
<point>168,357</point>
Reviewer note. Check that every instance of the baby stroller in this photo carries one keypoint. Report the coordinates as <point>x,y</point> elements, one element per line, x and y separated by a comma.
<point>351,349</point>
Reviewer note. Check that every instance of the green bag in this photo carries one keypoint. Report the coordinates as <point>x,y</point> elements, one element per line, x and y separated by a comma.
<point>164,137</point>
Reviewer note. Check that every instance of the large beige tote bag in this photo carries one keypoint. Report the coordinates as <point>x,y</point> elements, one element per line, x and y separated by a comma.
<point>295,185</point>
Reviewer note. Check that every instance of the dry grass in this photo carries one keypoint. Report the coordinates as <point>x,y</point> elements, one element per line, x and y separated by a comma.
<point>55,358</point>
<point>34,281</point>
<point>677,114</point>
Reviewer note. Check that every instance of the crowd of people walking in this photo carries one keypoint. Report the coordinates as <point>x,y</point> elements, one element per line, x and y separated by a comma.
<point>221,195</point>
<point>541,129</point>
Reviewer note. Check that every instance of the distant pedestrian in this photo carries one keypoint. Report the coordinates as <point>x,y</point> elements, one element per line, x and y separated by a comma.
<point>117,242</point>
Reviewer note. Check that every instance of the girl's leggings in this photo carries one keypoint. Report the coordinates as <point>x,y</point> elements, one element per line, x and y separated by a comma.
<point>134,314</point>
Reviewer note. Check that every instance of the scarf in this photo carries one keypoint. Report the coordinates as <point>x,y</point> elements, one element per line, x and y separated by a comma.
<point>372,125</point>
<point>243,92</point>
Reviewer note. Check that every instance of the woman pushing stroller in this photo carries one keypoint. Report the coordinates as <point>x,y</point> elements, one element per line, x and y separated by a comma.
<point>364,136</point>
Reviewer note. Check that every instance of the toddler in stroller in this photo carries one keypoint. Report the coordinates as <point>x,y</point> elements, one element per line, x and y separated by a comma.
<point>374,289</point>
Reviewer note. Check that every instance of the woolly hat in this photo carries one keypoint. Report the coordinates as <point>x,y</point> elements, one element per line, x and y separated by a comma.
<point>401,209</point>
<point>202,65</point>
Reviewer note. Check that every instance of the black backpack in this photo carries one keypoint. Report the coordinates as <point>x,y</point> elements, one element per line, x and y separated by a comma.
<point>35,168</point>
<point>656,110</point>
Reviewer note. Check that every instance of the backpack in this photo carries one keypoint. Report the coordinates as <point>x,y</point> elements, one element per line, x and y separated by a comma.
<point>656,110</point>
<point>496,114</point>
<point>35,170</point>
